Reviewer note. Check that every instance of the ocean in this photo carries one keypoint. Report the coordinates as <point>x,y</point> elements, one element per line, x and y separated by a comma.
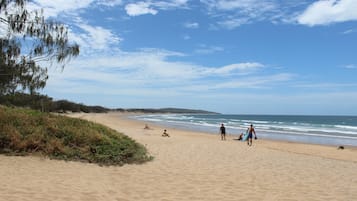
<point>326,130</point>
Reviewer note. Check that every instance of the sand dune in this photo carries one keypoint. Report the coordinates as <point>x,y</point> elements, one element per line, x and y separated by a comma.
<point>188,166</point>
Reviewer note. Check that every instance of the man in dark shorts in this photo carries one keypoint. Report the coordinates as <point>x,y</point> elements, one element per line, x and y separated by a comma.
<point>250,135</point>
<point>223,132</point>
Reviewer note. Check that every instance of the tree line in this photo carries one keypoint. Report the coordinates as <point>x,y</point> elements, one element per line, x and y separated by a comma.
<point>47,104</point>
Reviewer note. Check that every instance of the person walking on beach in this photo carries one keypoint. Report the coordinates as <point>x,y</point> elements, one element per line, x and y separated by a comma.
<point>223,132</point>
<point>250,135</point>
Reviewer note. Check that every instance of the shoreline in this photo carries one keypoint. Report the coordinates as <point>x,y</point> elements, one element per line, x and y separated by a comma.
<point>187,166</point>
<point>281,145</point>
<point>308,138</point>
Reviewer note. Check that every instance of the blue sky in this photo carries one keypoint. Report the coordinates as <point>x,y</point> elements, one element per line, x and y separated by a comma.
<point>228,56</point>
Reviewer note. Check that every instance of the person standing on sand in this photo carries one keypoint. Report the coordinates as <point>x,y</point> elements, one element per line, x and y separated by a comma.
<point>223,132</point>
<point>250,135</point>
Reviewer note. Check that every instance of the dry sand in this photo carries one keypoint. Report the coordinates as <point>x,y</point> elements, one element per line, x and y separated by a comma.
<point>188,166</point>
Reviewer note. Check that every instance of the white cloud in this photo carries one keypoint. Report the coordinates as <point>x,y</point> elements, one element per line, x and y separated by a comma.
<point>153,7</point>
<point>150,69</point>
<point>204,49</point>
<point>186,37</point>
<point>54,7</point>
<point>231,14</point>
<point>171,4</point>
<point>109,3</point>
<point>349,31</point>
<point>233,23</point>
<point>256,81</point>
<point>328,86</point>
<point>94,38</point>
<point>191,25</point>
<point>241,67</point>
<point>245,5</point>
<point>329,11</point>
<point>140,8</point>
<point>351,66</point>
<point>90,38</point>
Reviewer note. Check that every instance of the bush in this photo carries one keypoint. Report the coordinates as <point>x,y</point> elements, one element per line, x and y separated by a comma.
<point>24,131</point>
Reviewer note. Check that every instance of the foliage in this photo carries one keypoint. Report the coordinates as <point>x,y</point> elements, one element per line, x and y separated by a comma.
<point>46,104</point>
<point>24,131</point>
<point>26,40</point>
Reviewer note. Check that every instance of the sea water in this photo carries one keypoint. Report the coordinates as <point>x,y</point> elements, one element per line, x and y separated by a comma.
<point>328,130</point>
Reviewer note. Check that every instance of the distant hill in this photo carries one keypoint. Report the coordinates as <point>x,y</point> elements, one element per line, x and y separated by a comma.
<point>166,110</point>
<point>47,104</point>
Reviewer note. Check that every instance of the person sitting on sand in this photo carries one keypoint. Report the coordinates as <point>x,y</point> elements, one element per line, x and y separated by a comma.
<point>240,136</point>
<point>165,134</point>
<point>250,135</point>
<point>146,127</point>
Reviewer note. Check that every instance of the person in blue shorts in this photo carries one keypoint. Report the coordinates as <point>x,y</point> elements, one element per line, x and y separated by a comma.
<point>250,135</point>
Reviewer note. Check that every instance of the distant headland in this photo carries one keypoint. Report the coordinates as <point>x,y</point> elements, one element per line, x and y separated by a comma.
<point>45,103</point>
<point>165,110</point>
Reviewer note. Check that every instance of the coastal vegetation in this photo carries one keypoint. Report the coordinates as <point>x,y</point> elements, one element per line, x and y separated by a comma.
<point>47,104</point>
<point>25,131</point>
<point>30,44</point>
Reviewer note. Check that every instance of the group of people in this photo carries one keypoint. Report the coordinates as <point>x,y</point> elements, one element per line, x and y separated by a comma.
<point>250,132</point>
<point>164,134</point>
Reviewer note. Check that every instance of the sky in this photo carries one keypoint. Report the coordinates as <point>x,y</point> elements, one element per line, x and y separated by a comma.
<point>228,56</point>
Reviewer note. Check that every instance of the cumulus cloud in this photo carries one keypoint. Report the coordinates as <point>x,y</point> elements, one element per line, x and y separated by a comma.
<point>326,12</point>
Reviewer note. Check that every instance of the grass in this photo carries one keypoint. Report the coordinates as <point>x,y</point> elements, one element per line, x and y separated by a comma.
<point>24,132</point>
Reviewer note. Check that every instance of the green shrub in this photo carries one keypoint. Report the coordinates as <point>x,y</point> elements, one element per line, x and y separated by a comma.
<point>24,131</point>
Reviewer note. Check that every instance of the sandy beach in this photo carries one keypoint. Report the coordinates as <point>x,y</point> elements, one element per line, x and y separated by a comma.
<point>188,166</point>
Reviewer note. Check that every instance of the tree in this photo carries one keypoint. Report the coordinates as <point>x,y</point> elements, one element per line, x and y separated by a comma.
<point>27,39</point>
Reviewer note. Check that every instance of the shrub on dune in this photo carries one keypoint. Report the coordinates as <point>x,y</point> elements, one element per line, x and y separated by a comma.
<point>24,131</point>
